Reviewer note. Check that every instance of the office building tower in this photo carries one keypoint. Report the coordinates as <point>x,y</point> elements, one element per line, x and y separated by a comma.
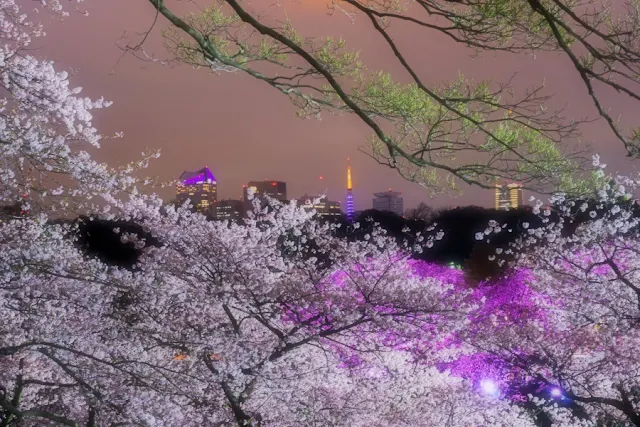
<point>324,208</point>
<point>350,205</point>
<point>199,187</point>
<point>228,209</point>
<point>389,201</point>
<point>502,197</point>
<point>516,195</point>
<point>508,196</point>
<point>274,189</point>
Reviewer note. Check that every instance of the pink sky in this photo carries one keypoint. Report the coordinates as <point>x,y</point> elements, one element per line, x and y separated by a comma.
<point>244,130</point>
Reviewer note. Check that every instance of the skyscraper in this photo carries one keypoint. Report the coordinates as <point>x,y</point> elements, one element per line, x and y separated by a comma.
<point>508,196</point>
<point>228,209</point>
<point>324,208</point>
<point>502,201</point>
<point>274,189</point>
<point>199,187</point>
<point>516,195</point>
<point>389,201</point>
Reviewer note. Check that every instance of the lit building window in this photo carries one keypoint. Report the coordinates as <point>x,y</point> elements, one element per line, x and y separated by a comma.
<point>508,196</point>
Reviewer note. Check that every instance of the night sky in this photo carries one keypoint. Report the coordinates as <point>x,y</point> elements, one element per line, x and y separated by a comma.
<point>244,130</point>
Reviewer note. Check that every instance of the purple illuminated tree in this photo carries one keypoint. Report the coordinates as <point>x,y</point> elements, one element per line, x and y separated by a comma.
<point>563,327</point>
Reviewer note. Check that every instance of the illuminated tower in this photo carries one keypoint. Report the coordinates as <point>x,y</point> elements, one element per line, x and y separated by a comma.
<point>350,209</point>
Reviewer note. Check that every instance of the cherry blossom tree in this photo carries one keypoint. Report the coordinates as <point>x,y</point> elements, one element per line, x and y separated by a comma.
<point>277,340</point>
<point>46,127</point>
<point>562,327</point>
<point>279,320</point>
<point>222,324</point>
<point>54,300</point>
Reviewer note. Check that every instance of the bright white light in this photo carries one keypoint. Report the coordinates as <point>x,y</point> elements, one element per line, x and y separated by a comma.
<point>489,387</point>
<point>556,392</point>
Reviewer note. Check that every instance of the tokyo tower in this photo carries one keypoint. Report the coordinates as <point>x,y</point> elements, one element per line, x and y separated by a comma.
<point>350,209</point>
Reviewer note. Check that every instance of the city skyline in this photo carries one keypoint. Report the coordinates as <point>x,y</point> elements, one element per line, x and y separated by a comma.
<point>192,185</point>
<point>201,187</point>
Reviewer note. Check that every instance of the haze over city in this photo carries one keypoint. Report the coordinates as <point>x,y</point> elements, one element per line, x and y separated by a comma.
<point>244,130</point>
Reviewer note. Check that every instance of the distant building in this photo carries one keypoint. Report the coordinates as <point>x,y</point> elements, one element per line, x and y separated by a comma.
<point>389,201</point>
<point>508,196</point>
<point>228,210</point>
<point>199,187</point>
<point>324,208</point>
<point>502,201</point>
<point>274,189</point>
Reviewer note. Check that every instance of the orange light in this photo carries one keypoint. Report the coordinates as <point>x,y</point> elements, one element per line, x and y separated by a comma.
<point>273,183</point>
<point>321,178</point>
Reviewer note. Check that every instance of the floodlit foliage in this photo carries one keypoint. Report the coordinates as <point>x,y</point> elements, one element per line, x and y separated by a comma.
<point>566,320</point>
<point>279,322</point>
